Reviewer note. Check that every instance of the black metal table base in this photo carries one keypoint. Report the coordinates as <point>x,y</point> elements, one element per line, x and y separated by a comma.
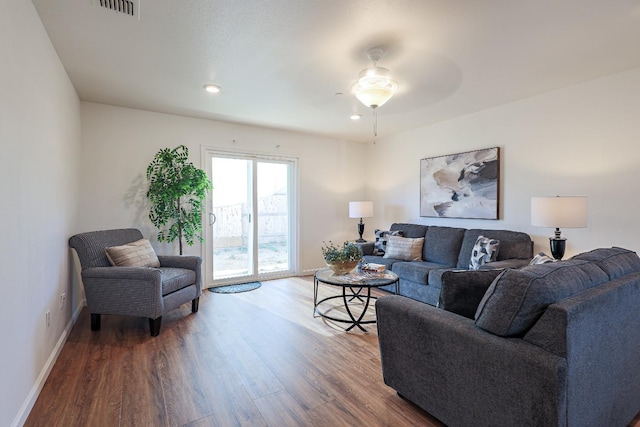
<point>350,292</point>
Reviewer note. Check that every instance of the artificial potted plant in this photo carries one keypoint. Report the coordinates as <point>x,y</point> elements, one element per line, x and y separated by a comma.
<point>341,259</point>
<point>177,190</point>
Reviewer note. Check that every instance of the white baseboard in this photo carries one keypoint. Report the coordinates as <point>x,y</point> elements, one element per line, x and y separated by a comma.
<point>26,407</point>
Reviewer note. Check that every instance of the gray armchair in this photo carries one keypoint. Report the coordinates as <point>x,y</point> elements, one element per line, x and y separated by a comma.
<point>134,291</point>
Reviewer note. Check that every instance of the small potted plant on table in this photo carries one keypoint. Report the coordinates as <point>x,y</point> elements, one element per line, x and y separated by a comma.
<point>341,259</point>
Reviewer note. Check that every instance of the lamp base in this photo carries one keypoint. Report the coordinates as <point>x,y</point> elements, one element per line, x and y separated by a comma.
<point>557,246</point>
<point>360,231</point>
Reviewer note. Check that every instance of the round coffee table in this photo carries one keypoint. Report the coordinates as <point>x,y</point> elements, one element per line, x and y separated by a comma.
<point>356,289</point>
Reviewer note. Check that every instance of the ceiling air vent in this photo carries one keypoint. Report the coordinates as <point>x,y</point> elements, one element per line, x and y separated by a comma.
<point>127,7</point>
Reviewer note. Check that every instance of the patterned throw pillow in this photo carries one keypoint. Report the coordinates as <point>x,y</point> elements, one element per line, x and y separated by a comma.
<point>380,245</point>
<point>485,250</point>
<point>541,258</point>
<point>135,254</point>
<point>404,249</point>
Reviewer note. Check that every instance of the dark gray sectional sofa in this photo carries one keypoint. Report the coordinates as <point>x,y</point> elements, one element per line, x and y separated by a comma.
<point>446,249</point>
<point>554,344</point>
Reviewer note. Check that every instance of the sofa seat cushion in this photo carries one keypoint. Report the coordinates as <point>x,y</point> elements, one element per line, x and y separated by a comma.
<point>616,262</point>
<point>517,298</point>
<point>175,278</point>
<point>416,271</point>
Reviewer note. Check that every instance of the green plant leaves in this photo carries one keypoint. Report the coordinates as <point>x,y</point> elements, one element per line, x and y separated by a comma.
<point>176,191</point>
<point>348,252</point>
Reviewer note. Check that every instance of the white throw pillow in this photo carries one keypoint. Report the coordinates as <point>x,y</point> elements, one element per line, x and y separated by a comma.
<point>135,254</point>
<point>404,248</point>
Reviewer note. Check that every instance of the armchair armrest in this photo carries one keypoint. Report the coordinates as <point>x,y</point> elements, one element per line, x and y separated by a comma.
<point>121,273</point>
<point>129,291</point>
<point>191,262</point>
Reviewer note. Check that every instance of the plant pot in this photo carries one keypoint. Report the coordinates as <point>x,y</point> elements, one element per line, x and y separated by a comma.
<point>340,268</point>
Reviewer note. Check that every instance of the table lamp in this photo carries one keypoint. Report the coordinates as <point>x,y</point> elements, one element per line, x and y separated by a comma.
<point>556,212</point>
<point>360,210</point>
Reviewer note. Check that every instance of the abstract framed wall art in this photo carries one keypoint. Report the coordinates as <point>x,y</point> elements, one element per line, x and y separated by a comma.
<point>462,185</point>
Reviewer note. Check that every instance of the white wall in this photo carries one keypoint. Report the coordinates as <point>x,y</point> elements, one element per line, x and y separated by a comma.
<point>581,140</point>
<point>118,144</point>
<point>40,142</point>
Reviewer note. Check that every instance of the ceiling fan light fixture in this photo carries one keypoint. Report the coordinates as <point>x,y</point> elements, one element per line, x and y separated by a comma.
<point>374,76</point>
<point>375,85</point>
<point>374,96</point>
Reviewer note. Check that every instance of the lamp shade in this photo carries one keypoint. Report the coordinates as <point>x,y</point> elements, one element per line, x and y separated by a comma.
<point>559,212</point>
<point>360,209</point>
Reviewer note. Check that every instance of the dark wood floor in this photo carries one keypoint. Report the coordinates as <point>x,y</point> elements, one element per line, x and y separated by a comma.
<point>252,359</point>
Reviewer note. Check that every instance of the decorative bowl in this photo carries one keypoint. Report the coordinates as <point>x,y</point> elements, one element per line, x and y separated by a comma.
<point>340,268</point>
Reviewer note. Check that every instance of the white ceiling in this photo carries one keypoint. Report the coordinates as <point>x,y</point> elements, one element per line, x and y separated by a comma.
<point>281,63</point>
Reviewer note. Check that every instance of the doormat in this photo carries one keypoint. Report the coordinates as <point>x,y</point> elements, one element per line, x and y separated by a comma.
<point>234,289</point>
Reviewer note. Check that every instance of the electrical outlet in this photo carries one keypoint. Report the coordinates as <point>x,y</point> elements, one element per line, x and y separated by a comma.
<point>48,315</point>
<point>63,299</point>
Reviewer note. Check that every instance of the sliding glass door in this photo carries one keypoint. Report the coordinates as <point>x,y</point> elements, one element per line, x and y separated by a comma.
<point>252,223</point>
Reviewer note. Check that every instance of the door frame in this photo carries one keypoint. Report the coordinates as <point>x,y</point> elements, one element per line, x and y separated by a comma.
<point>294,215</point>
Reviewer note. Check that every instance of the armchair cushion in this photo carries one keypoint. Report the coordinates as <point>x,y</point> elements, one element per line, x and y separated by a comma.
<point>175,278</point>
<point>135,254</point>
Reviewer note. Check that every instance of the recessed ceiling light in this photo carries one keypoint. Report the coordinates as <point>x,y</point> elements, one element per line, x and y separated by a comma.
<point>212,88</point>
<point>355,116</point>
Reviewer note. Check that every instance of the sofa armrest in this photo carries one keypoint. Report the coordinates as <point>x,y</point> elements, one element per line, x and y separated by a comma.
<point>507,263</point>
<point>463,375</point>
<point>462,291</point>
<point>367,248</point>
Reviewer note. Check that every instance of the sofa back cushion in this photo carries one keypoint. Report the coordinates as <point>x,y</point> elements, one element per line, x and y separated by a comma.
<point>442,245</point>
<point>517,298</point>
<point>412,231</point>
<point>513,244</point>
<point>616,262</point>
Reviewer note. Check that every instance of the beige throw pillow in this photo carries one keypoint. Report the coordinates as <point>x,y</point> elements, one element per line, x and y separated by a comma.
<point>135,254</point>
<point>404,248</point>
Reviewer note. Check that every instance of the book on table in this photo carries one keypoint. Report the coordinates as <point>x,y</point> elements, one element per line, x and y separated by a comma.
<point>371,266</point>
